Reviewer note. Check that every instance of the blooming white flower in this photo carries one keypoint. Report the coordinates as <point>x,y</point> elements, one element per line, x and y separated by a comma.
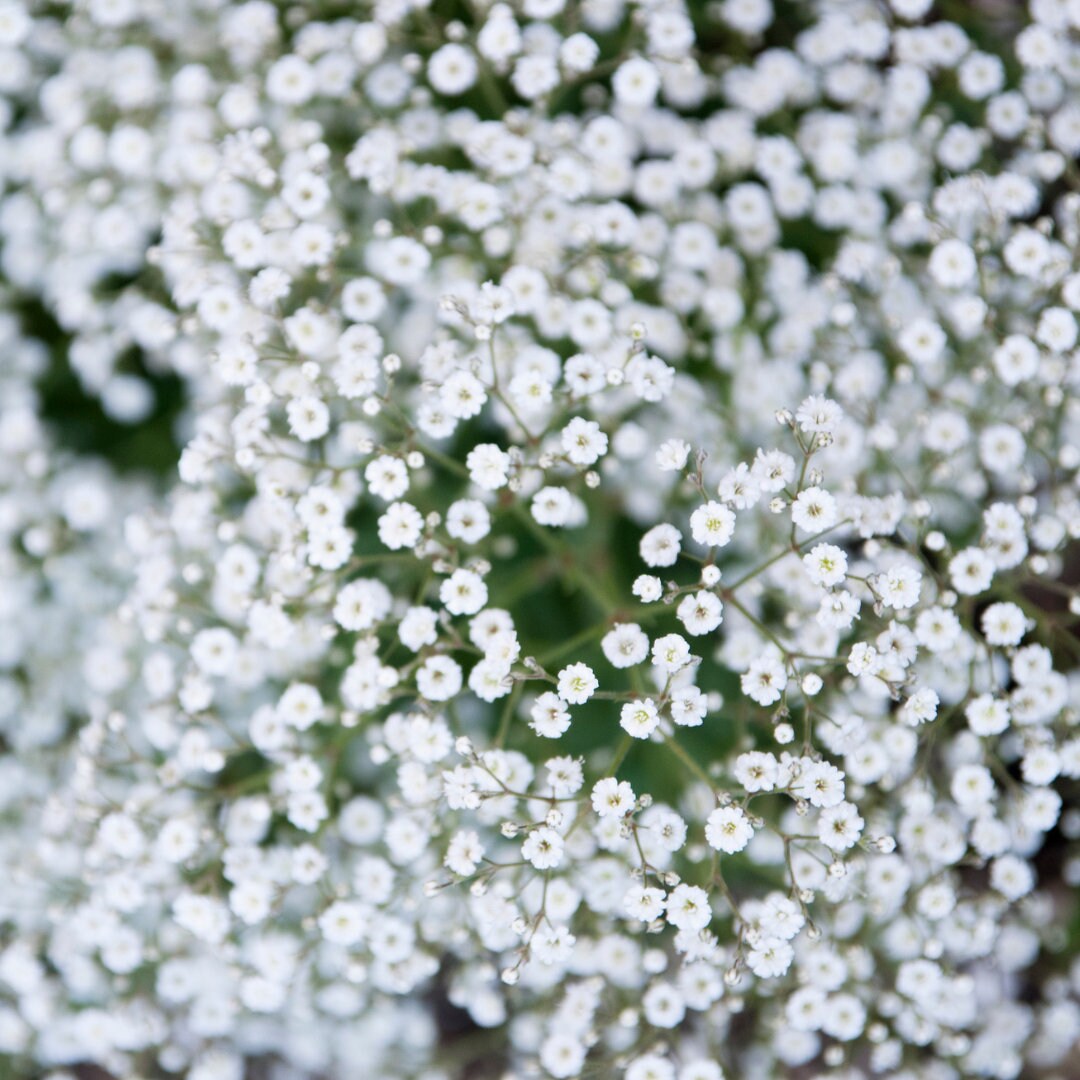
<point>639,718</point>
<point>971,571</point>
<point>553,506</point>
<point>488,466</point>
<point>770,958</point>
<point>728,829</point>
<point>818,415</point>
<point>671,653</point>
<point>463,593</point>
<point>1004,624</point>
<point>543,847</point>
<point>814,510</point>
<point>700,613</point>
<point>921,707</point>
<point>452,69</point>
<point>826,564</point>
<point>712,524</point>
<point>583,441</point>
<point>400,526</point>
<point>625,645</point>
<point>756,771</point>
<point>765,679</point>
<point>612,798</point>
<point>644,903</point>
<point>636,82</point>
<point>688,907</point>
<point>577,683</point>
<point>672,455</point>
<point>840,826</point>
<point>661,545</point>
<point>464,852</point>
<point>987,715</point>
<point>439,678</point>
<point>550,717</point>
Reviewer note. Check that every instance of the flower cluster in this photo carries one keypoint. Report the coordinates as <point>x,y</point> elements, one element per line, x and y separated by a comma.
<point>614,612</point>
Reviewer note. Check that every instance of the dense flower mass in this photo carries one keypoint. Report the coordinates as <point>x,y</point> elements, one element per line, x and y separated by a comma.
<point>539,539</point>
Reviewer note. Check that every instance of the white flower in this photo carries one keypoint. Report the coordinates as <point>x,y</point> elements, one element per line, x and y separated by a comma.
<point>843,1017</point>
<point>663,1007</point>
<point>1016,359</point>
<point>451,70</point>
<point>826,564</point>
<point>468,520</point>
<point>765,679</point>
<point>864,659</point>
<point>937,629</point>
<point>688,907</point>
<point>344,922</point>
<point>773,470</point>
<point>400,526</point>
<point>463,395</point>
<point>738,488</point>
<point>921,707</point>
<point>671,653</point>
<point>712,524</point>
<point>577,683</point>
<point>1041,766</point>
<point>387,477</point>
<point>561,1054</point>
<point>814,510</point>
<point>756,771</point>
<point>781,917</point>
<point>819,415</point>
<point>672,455</point>
<point>770,958</point>
<point>972,787</point>
<point>838,610</point>
<point>1004,624</point>
<point>840,826</point>
<point>987,715</point>
<point>922,341</point>
<point>553,506</point>
<point>583,441</point>
<point>464,852</point>
<point>648,588</point>
<point>689,706</point>
<point>899,586</point>
<point>952,264</point>
<point>400,261</point>
<point>463,593</point>
<point>639,718</point>
<point>644,903</point>
<point>636,82</point>
<point>488,466</point>
<point>553,944</point>
<point>661,545</point>
<point>549,715</point>
<point>439,678</point>
<point>728,829</point>
<point>543,847</point>
<point>565,776</point>
<point>625,645</point>
<point>820,783</point>
<point>612,798</point>
<point>700,613</point>
<point>301,706</point>
<point>1012,877</point>
<point>361,604</point>
<point>971,571</point>
<point>214,651</point>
